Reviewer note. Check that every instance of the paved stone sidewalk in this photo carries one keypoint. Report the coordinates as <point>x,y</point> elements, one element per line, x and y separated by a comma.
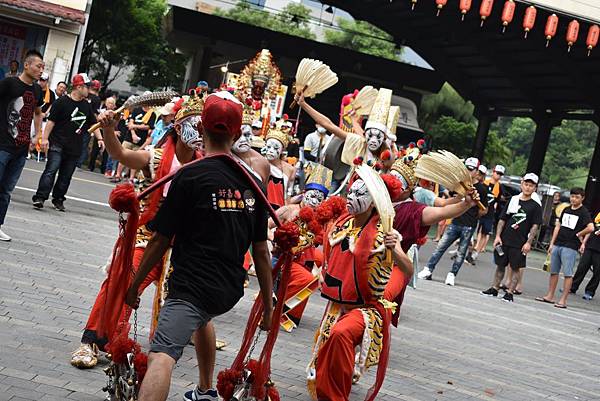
<point>452,343</point>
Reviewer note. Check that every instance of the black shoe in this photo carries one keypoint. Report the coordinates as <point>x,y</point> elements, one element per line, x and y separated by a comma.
<point>469,259</point>
<point>38,203</point>
<point>508,297</point>
<point>429,277</point>
<point>490,292</point>
<point>58,205</point>
<point>453,257</point>
<point>515,292</point>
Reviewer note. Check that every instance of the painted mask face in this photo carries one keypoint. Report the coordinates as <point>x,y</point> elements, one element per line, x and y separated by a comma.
<point>313,197</point>
<point>375,138</point>
<point>359,199</point>
<point>242,145</point>
<point>400,177</point>
<point>188,132</point>
<point>273,149</point>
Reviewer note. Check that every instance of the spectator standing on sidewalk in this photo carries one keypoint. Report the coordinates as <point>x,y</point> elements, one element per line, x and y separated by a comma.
<point>95,103</point>
<point>48,96</point>
<point>62,139</point>
<point>517,228</point>
<point>20,104</point>
<point>570,235</point>
<point>590,258</point>
<point>61,89</point>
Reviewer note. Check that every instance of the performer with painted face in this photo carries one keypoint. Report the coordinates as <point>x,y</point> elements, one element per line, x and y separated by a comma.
<point>282,176</point>
<point>180,145</point>
<point>248,157</point>
<point>356,272</point>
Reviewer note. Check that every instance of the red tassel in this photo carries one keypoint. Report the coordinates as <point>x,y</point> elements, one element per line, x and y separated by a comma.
<point>121,346</point>
<point>273,394</point>
<point>287,236</point>
<point>306,214</point>
<point>226,382</point>
<point>394,186</point>
<point>386,155</point>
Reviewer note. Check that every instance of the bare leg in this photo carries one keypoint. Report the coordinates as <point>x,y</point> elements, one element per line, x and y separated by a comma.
<point>498,276</point>
<point>519,286</point>
<point>512,284</point>
<point>157,381</point>
<point>507,278</point>
<point>484,241</point>
<point>204,342</point>
<point>568,282</point>
<point>552,287</point>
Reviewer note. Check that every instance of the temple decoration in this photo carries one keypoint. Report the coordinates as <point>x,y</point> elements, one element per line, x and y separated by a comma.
<point>529,19</point>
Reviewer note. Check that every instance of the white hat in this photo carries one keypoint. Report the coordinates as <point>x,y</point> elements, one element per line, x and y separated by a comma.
<point>531,177</point>
<point>44,76</point>
<point>482,169</point>
<point>500,169</point>
<point>167,109</point>
<point>256,124</point>
<point>472,162</point>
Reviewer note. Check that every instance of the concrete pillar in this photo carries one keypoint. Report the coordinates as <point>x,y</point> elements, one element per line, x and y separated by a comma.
<point>483,129</point>
<point>544,124</point>
<point>592,187</point>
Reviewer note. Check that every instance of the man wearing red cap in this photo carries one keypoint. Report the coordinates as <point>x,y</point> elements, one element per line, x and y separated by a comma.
<point>62,139</point>
<point>208,275</point>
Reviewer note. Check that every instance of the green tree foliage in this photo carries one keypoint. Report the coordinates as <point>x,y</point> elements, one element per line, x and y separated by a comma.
<point>365,38</point>
<point>293,19</point>
<point>447,102</point>
<point>124,33</point>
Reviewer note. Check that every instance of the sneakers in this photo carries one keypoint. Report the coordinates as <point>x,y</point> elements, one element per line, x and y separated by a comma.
<point>508,297</point>
<point>4,236</point>
<point>490,292</point>
<point>469,259</point>
<point>197,395</point>
<point>474,255</point>
<point>38,203</point>
<point>587,296</point>
<point>450,279</point>
<point>425,274</point>
<point>453,252</point>
<point>58,205</point>
<point>85,357</point>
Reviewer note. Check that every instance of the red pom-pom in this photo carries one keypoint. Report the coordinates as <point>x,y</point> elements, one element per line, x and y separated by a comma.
<point>226,381</point>
<point>285,117</point>
<point>315,227</point>
<point>123,199</point>
<point>121,346</point>
<point>306,214</point>
<point>287,236</point>
<point>386,155</point>
<point>140,361</point>
<point>338,205</point>
<point>273,394</point>
<point>411,145</point>
<point>324,213</point>
<point>178,104</point>
<point>379,166</point>
<point>358,161</point>
<point>248,101</point>
<point>420,143</point>
<point>394,186</point>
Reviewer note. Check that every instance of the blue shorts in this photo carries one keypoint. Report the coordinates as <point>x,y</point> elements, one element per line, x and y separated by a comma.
<point>563,258</point>
<point>486,225</point>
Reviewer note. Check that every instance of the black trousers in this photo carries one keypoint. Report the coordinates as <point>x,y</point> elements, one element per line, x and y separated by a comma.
<point>590,258</point>
<point>61,163</point>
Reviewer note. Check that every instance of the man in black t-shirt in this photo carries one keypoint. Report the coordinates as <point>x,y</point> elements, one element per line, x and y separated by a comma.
<point>570,235</point>
<point>214,213</point>
<point>20,101</point>
<point>517,228</point>
<point>590,258</point>
<point>95,103</point>
<point>462,229</point>
<point>69,119</point>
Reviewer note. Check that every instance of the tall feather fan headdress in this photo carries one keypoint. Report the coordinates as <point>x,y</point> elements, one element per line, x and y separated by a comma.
<point>313,77</point>
<point>363,103</point>
<point>153,99</point>
<point>445,168</point>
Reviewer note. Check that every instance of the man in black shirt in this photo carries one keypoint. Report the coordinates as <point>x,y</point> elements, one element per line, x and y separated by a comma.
<point>20,101</point>
<point>140,124</point>
<point>69,119</point>
<point>214,214</point>
<point>461,228</point>
<point>61,89</point>
<point>590,258</point>
<point>517,227</point>
<point>570,235</point>
<point>95,102</point>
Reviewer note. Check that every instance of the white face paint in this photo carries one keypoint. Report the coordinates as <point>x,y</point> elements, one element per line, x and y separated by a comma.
<point>359,199</point>
<point>313,197</point>
<point>400,177</point>
<point>242,145</point>
<point>375,138</point>
<point>188,132</point>
<point>273,149</point>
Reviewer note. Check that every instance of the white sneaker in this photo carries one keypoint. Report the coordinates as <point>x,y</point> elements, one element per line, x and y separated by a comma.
<point>4,236</point>
<point>450,279</point>
<point>425,273</point>
<point>474,255</point>
<point>452,252</point>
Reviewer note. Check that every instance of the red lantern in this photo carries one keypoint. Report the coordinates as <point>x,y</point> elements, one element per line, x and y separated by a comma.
<point>508,13</point>
<point>529,19</point>
<point>572,33</point>
<point>440,5</point>
<point>414,3</point>
<point>485,10</point>
<point>464,6</point>
<point>551,27</point>
<point>592,38</point>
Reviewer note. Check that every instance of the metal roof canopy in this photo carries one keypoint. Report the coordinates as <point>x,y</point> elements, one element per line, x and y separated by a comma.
<point>503,74</point>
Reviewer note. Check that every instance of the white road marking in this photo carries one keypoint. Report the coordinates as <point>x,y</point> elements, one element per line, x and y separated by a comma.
<point>74,178</point>
<point>69,197</point>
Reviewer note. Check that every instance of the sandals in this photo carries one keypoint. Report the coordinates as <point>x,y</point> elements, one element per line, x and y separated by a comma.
<point>542,299</point>
<point>560,306</point>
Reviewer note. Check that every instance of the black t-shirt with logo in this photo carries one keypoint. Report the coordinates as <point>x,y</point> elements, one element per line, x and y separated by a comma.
<point>45,106</point>
<point>71,121</point>
<point>517,225</point>
<point>594,240</point>
<point>470,217</point>
<point>572,221</point>
<point>137,116</point>
<point>18,102</point>
<point>215,215</point>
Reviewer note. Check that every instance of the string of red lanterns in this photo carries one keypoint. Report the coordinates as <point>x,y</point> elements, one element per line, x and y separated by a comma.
<point>529,20</point>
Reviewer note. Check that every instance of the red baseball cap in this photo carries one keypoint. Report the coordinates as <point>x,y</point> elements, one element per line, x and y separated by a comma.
<point>96,84</point>
<point>80,79</point>
<point>222,114</point>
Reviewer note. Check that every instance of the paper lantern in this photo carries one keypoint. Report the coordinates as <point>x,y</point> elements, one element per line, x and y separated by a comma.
<point>464,6</point>
<point>440,4</point>
<point>551,27</point>
<point>572,33</point>
<point>529,19</point>
<point>592,38</point>
<point>485,10</point>
<point>508,13</point>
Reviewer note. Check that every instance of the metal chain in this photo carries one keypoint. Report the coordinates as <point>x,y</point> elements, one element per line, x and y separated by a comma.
<point>135,320</point>
<point>253,346</point>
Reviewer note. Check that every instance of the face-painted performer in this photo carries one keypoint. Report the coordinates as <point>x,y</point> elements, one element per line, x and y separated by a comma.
<point>282,175</point>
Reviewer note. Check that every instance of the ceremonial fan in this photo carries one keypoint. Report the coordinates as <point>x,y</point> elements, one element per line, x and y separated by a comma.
<point>313,77</point>
<point>448,170</point>
<point>363,103</point>
<point>150,100</point>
